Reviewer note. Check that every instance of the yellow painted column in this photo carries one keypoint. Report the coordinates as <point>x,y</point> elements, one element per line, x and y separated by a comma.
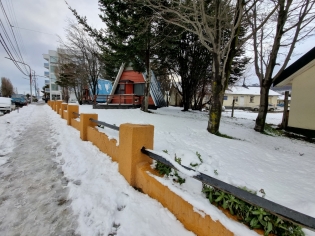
<point>71,109</point>
<point>58,105</point>
<point>53,105</point>
<point>85,123</point>
<point>63,108</point>
<point>132,138</point>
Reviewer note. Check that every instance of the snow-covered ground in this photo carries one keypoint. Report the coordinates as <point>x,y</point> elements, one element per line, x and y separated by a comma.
<point>283,167</point>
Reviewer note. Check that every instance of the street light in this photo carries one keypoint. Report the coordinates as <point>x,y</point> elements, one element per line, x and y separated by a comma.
<point>30,74</point>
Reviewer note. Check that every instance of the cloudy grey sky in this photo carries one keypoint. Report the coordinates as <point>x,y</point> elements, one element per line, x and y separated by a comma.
<point>47,16</point>
<point>50,17</point>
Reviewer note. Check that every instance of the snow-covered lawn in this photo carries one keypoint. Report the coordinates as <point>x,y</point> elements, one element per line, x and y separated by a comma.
<point>282,167</point>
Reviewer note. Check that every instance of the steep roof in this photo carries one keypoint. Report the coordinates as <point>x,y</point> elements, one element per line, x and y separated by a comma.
<point>155,89</point>
<point>239,90</point>
<point>297,65</point>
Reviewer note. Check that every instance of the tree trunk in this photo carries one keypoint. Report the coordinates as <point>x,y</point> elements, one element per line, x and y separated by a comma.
<point>145,104</point>
<point>216,108</point>
<point>217,96</point>
<point>263,108</point>
<point>147,90</point>
<point>186,101</point>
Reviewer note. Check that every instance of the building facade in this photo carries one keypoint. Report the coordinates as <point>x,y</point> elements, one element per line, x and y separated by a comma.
<point>247,97</point>
<point>301,76</point>
<point>52,61</point>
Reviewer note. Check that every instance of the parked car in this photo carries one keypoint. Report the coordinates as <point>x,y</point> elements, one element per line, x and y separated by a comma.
<point>270,107</point>
<point>19,101</point>
<point>206,108</point>
<point>6,105</point>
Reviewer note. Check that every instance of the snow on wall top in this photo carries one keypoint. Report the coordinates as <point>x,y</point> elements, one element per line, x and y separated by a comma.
<point>238,90</point>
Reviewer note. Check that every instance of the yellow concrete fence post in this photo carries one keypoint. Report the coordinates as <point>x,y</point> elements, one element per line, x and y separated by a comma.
<point>53,105</point>
<point>85,123</point>
<point>63,108</point>
<point>72,108</point>
<point>132,138</point>
<point>58,105</point>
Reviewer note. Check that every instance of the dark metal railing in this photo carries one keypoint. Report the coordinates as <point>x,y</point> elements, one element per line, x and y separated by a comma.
<point>105,124</point>
<point>274,208</point>
<point>77,114</point>
<point>121,99</point>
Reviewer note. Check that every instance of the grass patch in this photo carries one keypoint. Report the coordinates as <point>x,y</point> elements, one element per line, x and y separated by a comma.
<point>224,135</point>
<point>269,130</point>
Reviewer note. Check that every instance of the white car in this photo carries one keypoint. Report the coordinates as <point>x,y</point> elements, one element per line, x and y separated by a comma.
<point>6,105</point>
<point>270,108</point>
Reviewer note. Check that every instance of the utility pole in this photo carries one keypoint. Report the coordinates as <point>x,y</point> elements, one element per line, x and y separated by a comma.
<point>30,74</point>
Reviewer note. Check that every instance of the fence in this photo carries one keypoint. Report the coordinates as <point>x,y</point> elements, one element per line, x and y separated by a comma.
<point>273,208</point>
<point>134,157</point>
<point>120,99</point>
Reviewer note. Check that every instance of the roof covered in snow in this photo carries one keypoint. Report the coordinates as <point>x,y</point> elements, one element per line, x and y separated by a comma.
<point>282,97</point>
<point>240,90</point>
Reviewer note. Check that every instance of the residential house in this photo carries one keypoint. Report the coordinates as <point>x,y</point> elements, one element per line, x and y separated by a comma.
<point>246,97</point>
<point>128,89</point>
<point>175,98</point>
<point>104,88</point>
<point>301,75</point>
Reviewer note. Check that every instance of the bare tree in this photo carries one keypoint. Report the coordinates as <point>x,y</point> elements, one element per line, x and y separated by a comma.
<point>6,87</point>
<point>275,43</point>
<point>85,53</point>
<point>71,75</point>
<point>218,25</point>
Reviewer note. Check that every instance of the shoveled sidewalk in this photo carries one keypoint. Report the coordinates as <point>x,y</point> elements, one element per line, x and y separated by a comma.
<point>33,200</point>
<point>53,183</point>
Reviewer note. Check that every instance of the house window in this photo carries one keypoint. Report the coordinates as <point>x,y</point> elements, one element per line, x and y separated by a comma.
<point>121,89</point>
<point>225,98</point>
<point>54,87</point>
<point>52,69</point>
<point>251,99</point>
<point>139,89</point>
<point>235,98</point>
<point>53,59</point>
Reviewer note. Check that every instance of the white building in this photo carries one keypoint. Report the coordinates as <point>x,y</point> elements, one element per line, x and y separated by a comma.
<point>54,89</point>
<point>247,97</point>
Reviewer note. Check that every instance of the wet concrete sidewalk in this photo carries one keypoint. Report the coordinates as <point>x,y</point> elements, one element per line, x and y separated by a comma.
<point>33,193</point>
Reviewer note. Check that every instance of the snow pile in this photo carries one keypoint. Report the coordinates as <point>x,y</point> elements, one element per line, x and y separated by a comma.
<point>101,198</point>
<point>11,126</point>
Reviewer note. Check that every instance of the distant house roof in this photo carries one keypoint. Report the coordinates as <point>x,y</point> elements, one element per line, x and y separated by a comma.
<point>297,65</point>
<point>238,90</point>
<point>282,97</point>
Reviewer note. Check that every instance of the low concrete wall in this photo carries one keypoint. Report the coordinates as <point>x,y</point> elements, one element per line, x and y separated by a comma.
<point>135,166</point>
<point>75,124</point>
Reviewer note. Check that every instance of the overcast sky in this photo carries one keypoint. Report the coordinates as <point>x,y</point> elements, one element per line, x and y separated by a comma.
<point>47,16</point>
<point>50,17</point>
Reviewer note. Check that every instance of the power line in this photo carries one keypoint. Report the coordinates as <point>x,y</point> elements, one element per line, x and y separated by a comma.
<point>32,30</point>
<point>19,55</point>
<point>6,48</point>
<point>5,40</point>
<point>11,8</point>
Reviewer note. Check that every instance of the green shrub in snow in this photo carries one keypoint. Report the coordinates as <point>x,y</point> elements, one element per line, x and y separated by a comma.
<point>252,216</point>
